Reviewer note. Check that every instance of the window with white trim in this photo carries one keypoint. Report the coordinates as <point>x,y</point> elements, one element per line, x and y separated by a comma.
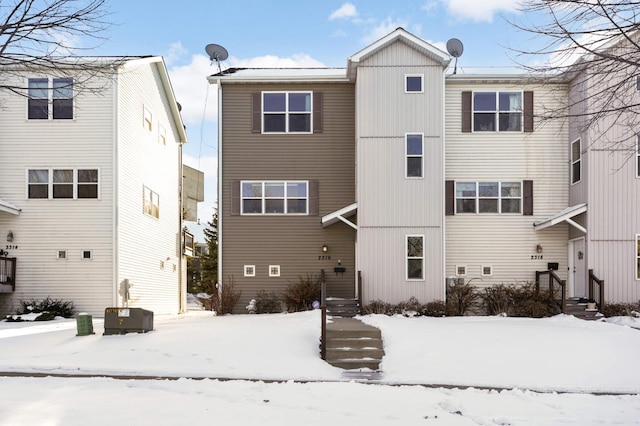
<point>286,112</point>
<point>275,197</point>
<point>461,270</point>
<point>413,83</point>
<point>415,257</point>
<point>414,151</point>
<point>576,161</point>
<point>50,99</point>
<point>62,183</point>
<point>488,197</point>
<point>249,270</point>
<point>87,255</point>
<point>151,202</point>
<point>274,270</point>
<point>487,271</point>
<point>162,134</point>
<point>497,111</point>
<point>61,255</point>
<point>147,119</point>
<point>638,257</point>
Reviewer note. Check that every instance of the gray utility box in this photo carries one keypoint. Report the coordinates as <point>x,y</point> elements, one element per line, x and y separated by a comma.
<point>127,320</point>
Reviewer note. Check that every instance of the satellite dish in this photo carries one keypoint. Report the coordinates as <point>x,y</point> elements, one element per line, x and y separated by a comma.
<point>455,49</point>
<point>216,53</point>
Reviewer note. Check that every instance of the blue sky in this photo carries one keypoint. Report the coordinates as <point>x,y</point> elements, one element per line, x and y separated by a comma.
<point>290,33</point>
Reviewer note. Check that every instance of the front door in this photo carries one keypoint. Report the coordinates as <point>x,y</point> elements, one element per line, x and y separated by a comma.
<point>578,268</point>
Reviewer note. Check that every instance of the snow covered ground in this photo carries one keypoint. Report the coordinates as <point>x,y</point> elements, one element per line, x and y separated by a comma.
<point>549,371</point>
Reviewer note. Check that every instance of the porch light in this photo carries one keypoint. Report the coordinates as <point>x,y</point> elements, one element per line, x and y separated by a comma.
<point>10,237</point>
<point>538,248</point>
<point>325,248</point>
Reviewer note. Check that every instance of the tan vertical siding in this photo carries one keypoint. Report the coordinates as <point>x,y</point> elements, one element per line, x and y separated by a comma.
<point>293,242</point>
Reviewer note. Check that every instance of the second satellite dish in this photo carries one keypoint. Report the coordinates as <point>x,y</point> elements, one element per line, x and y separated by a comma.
<point>216,52</point>
<point>455,49</point>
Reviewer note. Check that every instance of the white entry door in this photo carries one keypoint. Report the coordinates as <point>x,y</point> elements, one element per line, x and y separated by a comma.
<point>578,269</point>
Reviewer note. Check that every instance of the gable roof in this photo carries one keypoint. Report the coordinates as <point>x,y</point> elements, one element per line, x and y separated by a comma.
<point>400,34</point>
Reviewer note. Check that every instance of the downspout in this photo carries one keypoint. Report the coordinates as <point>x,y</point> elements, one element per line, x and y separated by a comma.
<point>443,240</point>
<point>219,230</point>
<point>115,174</point>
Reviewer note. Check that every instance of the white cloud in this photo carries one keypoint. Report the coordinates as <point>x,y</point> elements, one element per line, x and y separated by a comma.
<point>345,11</point>
<point>479,11</point>
<point>175,52</point>
<point>382,29</point>
<point>190,86</point>
<point>300,60</point>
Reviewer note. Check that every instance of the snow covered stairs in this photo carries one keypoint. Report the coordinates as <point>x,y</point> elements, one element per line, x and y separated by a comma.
<point>352,344</point>
<point>577,307</point>
<point>348,308</point>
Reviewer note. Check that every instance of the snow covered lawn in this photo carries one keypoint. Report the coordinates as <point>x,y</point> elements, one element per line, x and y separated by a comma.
<point>525,356</point>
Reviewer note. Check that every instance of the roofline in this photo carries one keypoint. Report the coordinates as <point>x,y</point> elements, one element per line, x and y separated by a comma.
<point>308,78</point>
<point>506,78</point>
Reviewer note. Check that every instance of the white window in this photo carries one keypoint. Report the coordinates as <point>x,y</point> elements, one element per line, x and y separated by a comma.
<point>147,119</point>
<point>275,197</point>
<point>50,99</point>
<point>61,254</point>
<point>86,254</point>
<point>415,257</point>
<point>274,270</point>
<point>461,270</point>
<point>576,161</point>
<point>487,271</point>
<point>497,111</point>
<point>151,203</point>
<point>162,134</point>
<point>62,183</point>
<point>249,270</point>
<point>286,112</point>
<point>638,257</point>
<point>413,83</point>
<point>488,197</point>
<point>414,151</point>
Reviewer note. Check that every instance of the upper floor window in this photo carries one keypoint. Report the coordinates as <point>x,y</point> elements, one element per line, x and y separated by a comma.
<point>151,203</point>
<point>576,161</point>
<point>415,257</point>
<point>413,83</point>
<point>50,99</point>
<point>273,197</point>
<point>497,111</point>
<point>162,134</point>
<point>147,119</point>
<point>414,151</point>
<point>488,197</point>
<point>286,112</point>
<point>62,183</point>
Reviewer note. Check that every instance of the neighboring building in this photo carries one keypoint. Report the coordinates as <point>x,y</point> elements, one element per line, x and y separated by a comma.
<point>90,187</point>
<point>399,172</point>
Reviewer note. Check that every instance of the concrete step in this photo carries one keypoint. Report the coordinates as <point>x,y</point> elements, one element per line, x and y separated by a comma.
<point>354,342</point>
<point>577,307</point>
<point>351,344</point>
<point>339,354</point>
<point>355,364</point>
<point>348,308</point>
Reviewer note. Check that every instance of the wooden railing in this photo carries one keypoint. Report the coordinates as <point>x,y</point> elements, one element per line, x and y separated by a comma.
<point>553,280</point>
<point>598,296</point>
<point>323,309</point>
<point>8,272</point>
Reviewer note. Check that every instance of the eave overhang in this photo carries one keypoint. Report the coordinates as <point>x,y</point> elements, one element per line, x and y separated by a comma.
<point>565,215</point>
<point>341,216</point>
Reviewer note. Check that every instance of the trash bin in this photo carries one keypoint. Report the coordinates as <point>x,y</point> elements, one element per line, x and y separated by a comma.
<point>127,320</point>
<point>84,323</point>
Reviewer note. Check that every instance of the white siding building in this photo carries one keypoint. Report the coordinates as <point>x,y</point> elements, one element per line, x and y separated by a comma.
<point>93,183</point>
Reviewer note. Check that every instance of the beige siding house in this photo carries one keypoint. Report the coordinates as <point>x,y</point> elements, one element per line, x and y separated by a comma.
<point>94,180</point>
<point>415,177</point>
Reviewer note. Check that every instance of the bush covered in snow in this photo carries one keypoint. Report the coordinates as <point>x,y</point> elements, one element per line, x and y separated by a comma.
<point>43,310</point>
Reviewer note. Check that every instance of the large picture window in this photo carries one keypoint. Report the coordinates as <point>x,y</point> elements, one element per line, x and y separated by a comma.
<point>415,154</point>
<point>488,197</point>
<point>497,111</point>
<point>415,257</point>
<point>50,99</point>
<point>62,183</point>
<point>275,197</point>
<point>286,112</point>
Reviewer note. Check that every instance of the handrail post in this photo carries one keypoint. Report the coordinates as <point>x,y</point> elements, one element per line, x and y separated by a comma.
<point>323,309</point>
<point>537,282</point>
<point>360,290</point>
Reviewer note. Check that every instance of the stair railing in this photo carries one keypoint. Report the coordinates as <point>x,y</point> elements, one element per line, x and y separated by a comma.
<point>598,296</point>
<point>360,305</point>
<point>323,309</point>
<point>554,279</point>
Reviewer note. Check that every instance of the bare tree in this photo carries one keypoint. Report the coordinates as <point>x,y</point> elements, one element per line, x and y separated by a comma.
<point>595,44</point>
<point>49,36</point>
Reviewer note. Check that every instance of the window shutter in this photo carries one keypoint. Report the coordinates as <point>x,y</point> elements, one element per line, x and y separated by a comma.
<point>318,117</point>
<point>528,111</point>
<point>314,198</point>
<point>466,112</point>
<point>527,192</point>
<point>235,198</point>
<point>256,113</point>
<point>449,198</point>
